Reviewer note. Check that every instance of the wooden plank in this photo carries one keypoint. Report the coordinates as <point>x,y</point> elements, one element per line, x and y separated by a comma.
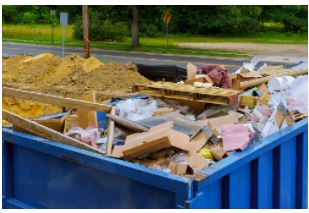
<point>52,99</point>
<point>44,131</point>
<point>256,82</point>
<point>111,129</point>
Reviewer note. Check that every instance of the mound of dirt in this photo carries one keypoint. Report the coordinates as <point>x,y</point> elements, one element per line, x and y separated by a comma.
<point>68,77</point>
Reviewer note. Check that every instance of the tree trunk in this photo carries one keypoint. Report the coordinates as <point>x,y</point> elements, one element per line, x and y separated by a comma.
<point>135,27</point>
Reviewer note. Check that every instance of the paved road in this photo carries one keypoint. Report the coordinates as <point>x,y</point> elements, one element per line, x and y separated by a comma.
<point>11,49</point>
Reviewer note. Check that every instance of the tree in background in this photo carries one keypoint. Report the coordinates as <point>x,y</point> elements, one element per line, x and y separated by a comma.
<point>134,27</point>
<point>193,20</point>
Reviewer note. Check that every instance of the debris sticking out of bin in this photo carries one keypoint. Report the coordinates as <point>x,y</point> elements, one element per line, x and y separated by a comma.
<point>182,128</point>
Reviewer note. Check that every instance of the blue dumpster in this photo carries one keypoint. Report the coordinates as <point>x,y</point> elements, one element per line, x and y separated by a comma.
<point>39,173</point>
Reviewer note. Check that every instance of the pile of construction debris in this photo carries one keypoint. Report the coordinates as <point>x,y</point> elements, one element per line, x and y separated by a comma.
<point>183,127</point>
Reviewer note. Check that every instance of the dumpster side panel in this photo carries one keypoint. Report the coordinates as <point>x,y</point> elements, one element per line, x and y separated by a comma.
<point>43,181</point>
<point>271,174</point>
<point>43,174</point>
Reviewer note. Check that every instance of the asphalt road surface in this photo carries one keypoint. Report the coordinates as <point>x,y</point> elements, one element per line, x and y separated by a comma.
<point>11,49</point>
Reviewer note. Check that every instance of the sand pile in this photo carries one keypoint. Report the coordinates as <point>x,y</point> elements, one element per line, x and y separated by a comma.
<point>68,77</point>
<point>72,72</point>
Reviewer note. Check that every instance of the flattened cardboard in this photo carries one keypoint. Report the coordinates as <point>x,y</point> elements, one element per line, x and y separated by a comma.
<point>197,162</point>
<point>157,138</point>
<point>191,71</point>
<point>146,148</point>
<point>199,141</point>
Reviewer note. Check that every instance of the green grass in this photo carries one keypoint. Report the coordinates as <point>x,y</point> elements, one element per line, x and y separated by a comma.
<point>41,34</point>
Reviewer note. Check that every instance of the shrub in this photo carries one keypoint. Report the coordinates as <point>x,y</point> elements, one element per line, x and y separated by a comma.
<point>102,30</point>
<point>150,31</point>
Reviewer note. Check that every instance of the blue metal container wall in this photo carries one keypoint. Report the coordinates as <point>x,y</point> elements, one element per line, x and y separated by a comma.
<point>271,174</point>
<point>39,173</point>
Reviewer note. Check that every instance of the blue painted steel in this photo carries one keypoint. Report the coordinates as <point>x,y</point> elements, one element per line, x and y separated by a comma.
<point>39,173</point>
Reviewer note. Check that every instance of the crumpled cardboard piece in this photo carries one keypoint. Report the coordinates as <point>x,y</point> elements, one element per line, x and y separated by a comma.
<point>197,162</point>
<point>178,168</point>
<point>157,138</point>
<point>217,152</point>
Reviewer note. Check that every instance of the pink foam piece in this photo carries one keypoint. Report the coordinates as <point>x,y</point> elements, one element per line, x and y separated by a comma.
<point>235,136</point>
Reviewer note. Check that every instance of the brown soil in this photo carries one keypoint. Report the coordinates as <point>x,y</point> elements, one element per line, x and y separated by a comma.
<point>68,77</point>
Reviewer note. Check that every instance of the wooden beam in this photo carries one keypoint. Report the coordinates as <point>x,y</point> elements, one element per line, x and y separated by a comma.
<point>52,99</point>
<point>44,131</point>
<point>110,137</point>
<point>258,81</point>
<point>127,123</point>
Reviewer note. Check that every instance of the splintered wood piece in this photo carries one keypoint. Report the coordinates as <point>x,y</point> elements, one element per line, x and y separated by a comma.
<point>111,129</point>
<point>52,99</point>
<point>44,132</point>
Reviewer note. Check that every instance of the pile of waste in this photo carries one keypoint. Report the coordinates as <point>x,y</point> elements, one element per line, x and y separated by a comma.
<point>184,127</point>
<point>70,76</point>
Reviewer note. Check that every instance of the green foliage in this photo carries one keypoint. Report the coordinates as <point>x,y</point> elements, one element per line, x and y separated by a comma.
<point>150,30</point>
<point>203,20</point>
<point>101,30</point>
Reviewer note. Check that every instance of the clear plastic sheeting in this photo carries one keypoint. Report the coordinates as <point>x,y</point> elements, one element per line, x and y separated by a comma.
<point>302,65</point>
<point>249,65</point>
<point>136,109</point>
<point>296,98</point>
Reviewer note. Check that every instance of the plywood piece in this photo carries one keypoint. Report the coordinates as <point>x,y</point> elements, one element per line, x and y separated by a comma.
<point>44,131</point>
<point>86,118</point>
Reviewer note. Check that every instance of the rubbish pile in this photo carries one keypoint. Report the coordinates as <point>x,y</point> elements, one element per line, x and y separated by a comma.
<point>181,128</point>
